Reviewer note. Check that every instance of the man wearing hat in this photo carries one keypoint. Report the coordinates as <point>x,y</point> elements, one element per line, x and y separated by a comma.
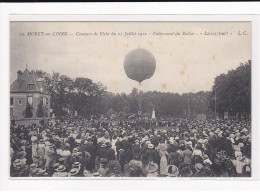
<point>137,150</point>
<point>122,159</point>
<point>185,171</point>
<point>150,154</point>
<point>21,156</point>
<point>103,168</point>
<point>102,152</point>
<point>41,173</point>
<point>73,172</point>
<point>74,157</point>
<point>19,170</point>
<point>52,170</point>
<point>33,170</point>
<point>60,172</point>
<point>198,170</point>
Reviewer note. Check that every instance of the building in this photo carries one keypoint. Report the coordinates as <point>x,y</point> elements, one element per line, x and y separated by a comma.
<point>29,99</point>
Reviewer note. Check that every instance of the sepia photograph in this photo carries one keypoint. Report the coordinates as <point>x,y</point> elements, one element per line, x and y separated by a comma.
<point>150,99</point>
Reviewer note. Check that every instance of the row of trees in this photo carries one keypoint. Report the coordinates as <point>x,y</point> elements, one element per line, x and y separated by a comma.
<point>89,98</point>
<point>232,92</point>
<point>165,104</point>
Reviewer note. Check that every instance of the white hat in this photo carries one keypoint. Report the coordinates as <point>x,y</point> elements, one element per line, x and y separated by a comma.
<point>151,146</point>
<point>34,139</point>
<point>148,142</point>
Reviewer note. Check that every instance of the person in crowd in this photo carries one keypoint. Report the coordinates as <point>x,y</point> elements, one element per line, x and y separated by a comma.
<point>163,161</point>
<point>130,147</point>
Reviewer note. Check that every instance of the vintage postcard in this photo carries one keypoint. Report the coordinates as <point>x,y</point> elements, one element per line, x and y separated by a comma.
<point>130,99</point>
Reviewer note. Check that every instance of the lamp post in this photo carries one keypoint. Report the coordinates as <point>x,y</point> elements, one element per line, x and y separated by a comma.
<point>189,105</point>
<point>216,102</point>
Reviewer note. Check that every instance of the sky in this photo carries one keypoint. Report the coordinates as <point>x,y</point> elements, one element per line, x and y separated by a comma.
<point>184,63</point>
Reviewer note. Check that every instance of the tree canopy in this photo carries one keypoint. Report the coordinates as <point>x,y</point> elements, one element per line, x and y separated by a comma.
<point>233,91</point>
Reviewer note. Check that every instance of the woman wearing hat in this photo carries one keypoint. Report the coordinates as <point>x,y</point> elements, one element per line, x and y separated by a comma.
<point>34,149</point>
<point>163,161</point>
<point>152,169</point>
<point>172,171</point>
<point>41,152</point>
<point>50,156</point>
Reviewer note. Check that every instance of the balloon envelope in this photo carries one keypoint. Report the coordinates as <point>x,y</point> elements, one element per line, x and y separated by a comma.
<point>139,65</point>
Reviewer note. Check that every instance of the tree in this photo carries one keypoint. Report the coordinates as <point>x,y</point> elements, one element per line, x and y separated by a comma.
<point>233,92</point>
<point>40,110</point>
<point>28,111</point>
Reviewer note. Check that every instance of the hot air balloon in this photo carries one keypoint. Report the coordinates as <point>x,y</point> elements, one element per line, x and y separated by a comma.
<point>139,65</point>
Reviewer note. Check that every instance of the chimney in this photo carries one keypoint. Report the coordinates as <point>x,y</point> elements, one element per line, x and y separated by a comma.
<point>19,75</point>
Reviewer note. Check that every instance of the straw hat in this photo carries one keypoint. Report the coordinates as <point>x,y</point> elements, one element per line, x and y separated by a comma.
<point>42,172</point>
<point>148,142</point>
<point>76,165</point>
<point>198,167</point>
<point>35,171</point>
<point>32,166</point>
<point>34,138</point>
<point>73,172</point>
<point>61,168</point>
<point>16,163</point>
<point>55,166</point>
<point>96,174</point>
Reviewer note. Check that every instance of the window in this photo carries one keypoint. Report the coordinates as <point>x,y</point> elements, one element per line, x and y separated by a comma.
<point>11,112</point>
<point>47,101</point>
<point>19,102</point>
<point>29,100</point>
<point>42,100</point>
<point>11,101</point>
<point>30,86</point>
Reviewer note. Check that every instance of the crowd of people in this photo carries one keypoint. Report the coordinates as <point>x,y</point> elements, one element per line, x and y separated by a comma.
<point>130,147</point>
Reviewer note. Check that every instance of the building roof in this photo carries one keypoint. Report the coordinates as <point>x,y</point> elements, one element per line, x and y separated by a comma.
<point>20,85</point>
